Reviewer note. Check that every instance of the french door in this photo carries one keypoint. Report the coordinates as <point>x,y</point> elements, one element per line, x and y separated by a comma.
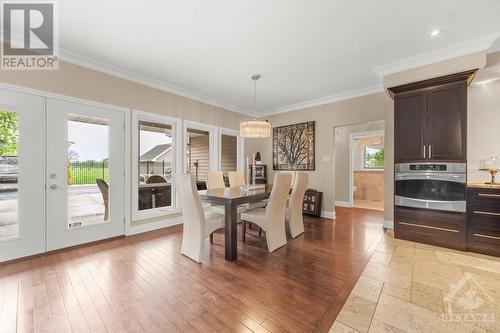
<point>22,230</point>
<point>62,174</point>
<point>85,173</point>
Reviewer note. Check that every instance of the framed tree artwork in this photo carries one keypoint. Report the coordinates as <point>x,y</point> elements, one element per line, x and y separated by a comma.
<point>293,147</point>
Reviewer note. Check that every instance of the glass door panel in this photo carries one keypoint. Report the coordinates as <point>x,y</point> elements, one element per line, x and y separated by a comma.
<point>21,175</point>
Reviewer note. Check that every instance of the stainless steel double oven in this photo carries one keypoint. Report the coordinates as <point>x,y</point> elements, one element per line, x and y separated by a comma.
<point>438,186</point>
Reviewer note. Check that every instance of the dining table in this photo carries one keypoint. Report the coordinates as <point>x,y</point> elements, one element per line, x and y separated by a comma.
<point>231,198</point>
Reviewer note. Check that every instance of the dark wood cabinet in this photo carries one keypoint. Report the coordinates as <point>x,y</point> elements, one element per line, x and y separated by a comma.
<point>447,122</point>
<point>312,203</point>
<point>410,125</point>
<point>260,173</point>
<point>430,122</point>
<point>447,229</point>
<point>483,219</point>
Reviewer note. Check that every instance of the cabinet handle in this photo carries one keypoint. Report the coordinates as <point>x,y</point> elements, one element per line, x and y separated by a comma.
<point>428,227</point>
<point>424,152</point>
<point>486,195</point>
<point>479,212</point>
<point>430,151</point>
<point>486,236</point>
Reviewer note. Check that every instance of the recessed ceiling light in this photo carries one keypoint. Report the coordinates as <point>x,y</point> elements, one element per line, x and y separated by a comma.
<point>436,32</point>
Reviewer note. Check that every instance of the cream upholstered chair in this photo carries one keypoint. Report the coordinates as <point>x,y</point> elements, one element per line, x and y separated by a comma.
<point>236,178</point>
<point>198,225</point>
<point>272,218</point>
<point>293,173</point>
<point>215,180</point>
<point>293,212</point>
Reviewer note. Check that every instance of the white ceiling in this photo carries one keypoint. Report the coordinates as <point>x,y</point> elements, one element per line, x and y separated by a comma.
<point>308,51</point>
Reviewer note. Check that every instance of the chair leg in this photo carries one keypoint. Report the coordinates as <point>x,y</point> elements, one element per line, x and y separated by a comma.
<point>212,238</point>
<point>244,228</point>
<point>260,231</point>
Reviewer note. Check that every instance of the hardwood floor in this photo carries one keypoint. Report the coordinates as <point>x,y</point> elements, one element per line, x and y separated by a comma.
<point>143,283</point>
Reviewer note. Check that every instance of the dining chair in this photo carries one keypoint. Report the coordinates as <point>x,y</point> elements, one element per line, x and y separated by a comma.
<point>215,180</point>
<point>236,178</point>
<point>293,173</point>
<point>198,225</point>
<point>272,218</point>
<point>293,212</point>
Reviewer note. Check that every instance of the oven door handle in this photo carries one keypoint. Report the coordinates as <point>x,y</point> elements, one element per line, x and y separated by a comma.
<point>432,176</point>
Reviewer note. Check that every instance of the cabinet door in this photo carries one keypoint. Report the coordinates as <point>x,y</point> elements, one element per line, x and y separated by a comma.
<point>410,126</point>
<point>447,122</point>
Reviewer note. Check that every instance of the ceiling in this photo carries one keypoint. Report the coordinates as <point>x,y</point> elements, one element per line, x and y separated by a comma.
<point>308,52</point>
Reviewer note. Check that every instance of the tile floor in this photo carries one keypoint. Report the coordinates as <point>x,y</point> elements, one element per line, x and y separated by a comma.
<point>413,287</point>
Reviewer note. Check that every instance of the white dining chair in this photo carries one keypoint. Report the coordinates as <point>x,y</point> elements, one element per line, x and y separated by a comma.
<point>215,180</point>
<point>293,173</point>
<point>293,212</point>
<point>272,218</point>
<point>236,178</point>
<point>198,225</point>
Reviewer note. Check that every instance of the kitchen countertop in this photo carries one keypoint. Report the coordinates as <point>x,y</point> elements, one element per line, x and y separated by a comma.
<point>483,185</point>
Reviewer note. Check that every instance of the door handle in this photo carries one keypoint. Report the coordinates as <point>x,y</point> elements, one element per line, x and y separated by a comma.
<point>53,187</point>
<point>430,151</point>
<point>424,152</point>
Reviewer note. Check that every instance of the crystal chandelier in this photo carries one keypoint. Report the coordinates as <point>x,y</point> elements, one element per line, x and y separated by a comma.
<point>254,128</point>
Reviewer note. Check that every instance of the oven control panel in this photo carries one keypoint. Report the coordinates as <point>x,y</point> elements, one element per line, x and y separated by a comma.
<point>428,167</point>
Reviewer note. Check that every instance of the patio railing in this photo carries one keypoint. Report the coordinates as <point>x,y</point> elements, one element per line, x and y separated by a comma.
<point>86,172</point>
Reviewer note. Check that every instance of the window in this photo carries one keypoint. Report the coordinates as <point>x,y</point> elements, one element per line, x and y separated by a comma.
<point>154,164</point>
<point>373,157</point>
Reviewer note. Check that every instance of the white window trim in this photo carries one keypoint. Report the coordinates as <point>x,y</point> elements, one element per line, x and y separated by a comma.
<point>213,142</point>
<point>240,146</point>
<point>177,161</point>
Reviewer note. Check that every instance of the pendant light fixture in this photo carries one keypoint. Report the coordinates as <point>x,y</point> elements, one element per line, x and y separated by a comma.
<point>254,128</point>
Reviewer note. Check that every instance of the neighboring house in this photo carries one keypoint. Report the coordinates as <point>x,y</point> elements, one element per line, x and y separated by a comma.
<point>157,161</point>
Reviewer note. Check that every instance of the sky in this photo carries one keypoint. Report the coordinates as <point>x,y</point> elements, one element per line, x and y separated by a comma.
<point>91,140</point>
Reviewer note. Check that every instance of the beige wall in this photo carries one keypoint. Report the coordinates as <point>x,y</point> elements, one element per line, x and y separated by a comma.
<point>327,117</point>
<point>483,139</point>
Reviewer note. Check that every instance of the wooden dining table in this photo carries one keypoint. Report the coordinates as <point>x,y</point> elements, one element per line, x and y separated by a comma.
<point>231,198</point>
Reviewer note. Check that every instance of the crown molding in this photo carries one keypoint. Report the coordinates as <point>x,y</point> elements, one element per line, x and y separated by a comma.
<point>478,45</point>
<point>324,100</point>
<point>116,71</point>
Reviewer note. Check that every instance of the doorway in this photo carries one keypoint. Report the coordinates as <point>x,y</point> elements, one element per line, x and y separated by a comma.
<point>367,169</point>
<point>359,165</point>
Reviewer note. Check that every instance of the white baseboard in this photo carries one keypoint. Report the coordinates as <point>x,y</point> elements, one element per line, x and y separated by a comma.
<point>140,228</point>
<point>344,203</point>
<point>328,214</point>
<point>388,224</point>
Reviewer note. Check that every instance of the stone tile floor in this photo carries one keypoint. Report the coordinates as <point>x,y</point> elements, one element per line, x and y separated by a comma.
<point>413,287</point>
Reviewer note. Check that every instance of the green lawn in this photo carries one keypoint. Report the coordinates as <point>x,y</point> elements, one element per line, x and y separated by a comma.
<point>83,174</point>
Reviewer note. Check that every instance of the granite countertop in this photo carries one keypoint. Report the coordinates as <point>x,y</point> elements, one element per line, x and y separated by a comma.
<point>483,185</point>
